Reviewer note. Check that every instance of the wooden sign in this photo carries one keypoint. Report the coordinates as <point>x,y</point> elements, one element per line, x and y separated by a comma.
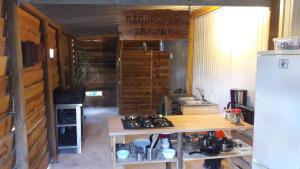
<point>153,24</point>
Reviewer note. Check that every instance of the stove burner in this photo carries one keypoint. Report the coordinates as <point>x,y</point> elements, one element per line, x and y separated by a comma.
<point>142,122</point>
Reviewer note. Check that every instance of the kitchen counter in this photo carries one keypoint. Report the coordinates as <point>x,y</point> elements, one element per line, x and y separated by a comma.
<point>184,123</point>
<point>189,105</point>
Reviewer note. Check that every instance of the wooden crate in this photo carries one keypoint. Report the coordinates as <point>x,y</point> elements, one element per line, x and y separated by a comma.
<point>4,104</point>
<point>5,125</point>
<point>6,144</point>
<point>3,85</point>
<point>32,77</point>
<point>34,90</point>
<point>3,65</point>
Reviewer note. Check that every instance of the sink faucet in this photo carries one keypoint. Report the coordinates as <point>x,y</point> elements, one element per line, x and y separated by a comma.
<point>201,94</point>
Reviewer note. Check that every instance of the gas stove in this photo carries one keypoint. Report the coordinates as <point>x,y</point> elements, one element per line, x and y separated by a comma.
<point>146,121</point>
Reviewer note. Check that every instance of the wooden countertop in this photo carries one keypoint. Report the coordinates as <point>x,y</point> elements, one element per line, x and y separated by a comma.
<point>182,123</point>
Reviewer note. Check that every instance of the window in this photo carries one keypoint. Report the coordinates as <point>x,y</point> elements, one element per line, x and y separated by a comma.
<point>93,93</point>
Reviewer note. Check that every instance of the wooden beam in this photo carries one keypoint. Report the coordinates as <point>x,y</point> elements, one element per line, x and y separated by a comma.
<point>97,37</point>
<point>15,54</point>
<point>51,120</point>
<point>194,15</point>
<point>71,59</point>
<point>28,7</point>
<point>203,11</point>
<point>274,22</point>
<point>61,64</point>
<point>159,2</point>
<point>189,82</point>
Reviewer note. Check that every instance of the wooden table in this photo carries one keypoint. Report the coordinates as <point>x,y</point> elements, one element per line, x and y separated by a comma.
<point>184,123</point>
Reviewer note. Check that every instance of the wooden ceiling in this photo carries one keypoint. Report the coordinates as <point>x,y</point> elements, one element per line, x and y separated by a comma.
<point>98,17</point>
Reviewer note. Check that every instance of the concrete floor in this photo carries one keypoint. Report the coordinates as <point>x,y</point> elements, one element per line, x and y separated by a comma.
<point>96,151</point>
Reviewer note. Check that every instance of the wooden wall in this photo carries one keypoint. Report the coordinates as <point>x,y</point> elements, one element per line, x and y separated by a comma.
<point>54,62</point>
<point>161,72</point>
<point>33,79</point>
<point>6,119</point>
<point>30,85</point>
<point>144,79</point>
<point>101,56</point>
<point>137,44</point>
<point>67,53</point>
<point>136,82</point>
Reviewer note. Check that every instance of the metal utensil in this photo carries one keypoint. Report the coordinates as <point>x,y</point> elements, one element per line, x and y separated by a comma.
<point>153,140</point>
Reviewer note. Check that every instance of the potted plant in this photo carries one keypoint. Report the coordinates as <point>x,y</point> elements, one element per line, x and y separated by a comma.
<point>77,93</point>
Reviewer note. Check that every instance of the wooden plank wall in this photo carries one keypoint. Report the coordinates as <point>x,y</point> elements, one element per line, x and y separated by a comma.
<point>137,44</point>
<point>30,27</point>
<point>136,82</point>
<point>101,70</point>
<point>160,77</point>
<point>159,81</point>
<point>144,79</point>
<point>33,79</point>
<point>6,119</point>
<point>66,55</point>
<point>54,62</point>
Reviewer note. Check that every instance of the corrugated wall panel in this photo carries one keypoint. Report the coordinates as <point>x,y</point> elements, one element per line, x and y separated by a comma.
<point>226,42</point>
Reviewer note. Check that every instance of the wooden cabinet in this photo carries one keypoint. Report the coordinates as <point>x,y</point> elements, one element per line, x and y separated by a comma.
<point>144,78</point>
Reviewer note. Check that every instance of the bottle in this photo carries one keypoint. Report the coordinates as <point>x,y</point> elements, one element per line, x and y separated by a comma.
<point>224,113</point>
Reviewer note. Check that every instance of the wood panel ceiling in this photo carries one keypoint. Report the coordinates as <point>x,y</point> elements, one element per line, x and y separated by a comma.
<point>96,17</point>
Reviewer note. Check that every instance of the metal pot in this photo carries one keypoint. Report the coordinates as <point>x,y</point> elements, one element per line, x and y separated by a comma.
<point>226,145</point>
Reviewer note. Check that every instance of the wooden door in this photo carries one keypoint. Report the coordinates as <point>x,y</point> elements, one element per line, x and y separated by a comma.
<point>135,82</point>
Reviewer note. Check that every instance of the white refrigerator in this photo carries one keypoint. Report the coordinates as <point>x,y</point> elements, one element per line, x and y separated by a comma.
<point>277,111</point>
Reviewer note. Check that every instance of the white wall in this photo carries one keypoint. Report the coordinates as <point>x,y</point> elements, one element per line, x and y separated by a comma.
<point>225,46</point>
<point>178,49</point>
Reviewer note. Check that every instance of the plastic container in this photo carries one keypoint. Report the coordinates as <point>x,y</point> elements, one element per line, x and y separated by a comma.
<point>287,43</point>
<point>169,153</point>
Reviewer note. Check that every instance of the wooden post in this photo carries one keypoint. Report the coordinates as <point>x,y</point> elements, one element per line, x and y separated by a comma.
<point>71,53</point>
<point>52,142</point>
<point>189,81</point>
<point>61,63</point>
<point>274,22</point>
<point>15,54</point>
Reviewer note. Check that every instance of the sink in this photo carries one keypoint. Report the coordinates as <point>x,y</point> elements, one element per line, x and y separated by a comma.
<point>186,99</point>
<point>197,102</point>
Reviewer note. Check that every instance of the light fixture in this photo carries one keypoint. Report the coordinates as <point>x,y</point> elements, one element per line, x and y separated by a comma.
<point>51,53</point>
